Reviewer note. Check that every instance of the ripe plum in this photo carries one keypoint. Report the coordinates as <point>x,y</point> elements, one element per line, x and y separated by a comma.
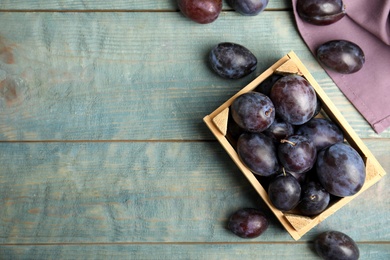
<point>335,245</point>
<point>258,153</point>
<point>322,132</point>
<point>201,11</point>
<point>341,56</point>
<point>231,60</point>
<point>295,100</point>
<point>248,7</point>
<point>233,129</point>
<point>248,223</point>
<point>266,86</point>
<point>279,129</point>
<point>301,177</point>
<point>318,107</point>
<point>297,153</point>
<point>253,111</point>
<point>284,192</point>
<point>340,170</point>
<point>314,199</point>
<point>321,12</point>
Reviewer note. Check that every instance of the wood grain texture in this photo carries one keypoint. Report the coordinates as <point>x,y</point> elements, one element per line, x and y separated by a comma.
<point>130,5</point>
<point>249,251</point>
<point>132,76</point>
<point>103,151</point>
<point>149,192</point>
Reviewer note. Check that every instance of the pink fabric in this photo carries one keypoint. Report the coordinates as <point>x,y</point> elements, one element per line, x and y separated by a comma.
<point>367,24</point>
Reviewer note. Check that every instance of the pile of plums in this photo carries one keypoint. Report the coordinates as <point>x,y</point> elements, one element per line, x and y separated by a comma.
<point>302,158</point>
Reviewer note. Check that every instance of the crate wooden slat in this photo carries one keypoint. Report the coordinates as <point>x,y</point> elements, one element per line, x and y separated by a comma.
<point>297,225</point>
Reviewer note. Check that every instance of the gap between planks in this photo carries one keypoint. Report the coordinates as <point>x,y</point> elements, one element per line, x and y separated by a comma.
<point>109,141</point>
<point>141,141</point>
<point>183,243</point>
<point>119,10</point>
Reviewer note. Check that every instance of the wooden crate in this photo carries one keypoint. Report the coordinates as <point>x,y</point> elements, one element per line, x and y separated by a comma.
<point>296,225</point>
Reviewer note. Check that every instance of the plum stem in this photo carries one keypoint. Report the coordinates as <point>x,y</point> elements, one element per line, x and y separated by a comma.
<point>269,112</point>
<point>287,141</point>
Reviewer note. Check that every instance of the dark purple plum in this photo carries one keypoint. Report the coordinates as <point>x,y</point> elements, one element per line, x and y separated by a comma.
<point>248,223</point>
<point>201,11</point>
<point>314,199</point>
<point>335,245</point>
<point>258,153</point>
<point>297,154</point>
<point>341,56</point>
<point>253,111</point>
<point>266,86</point>
<point>295,100</point>
<point>231,60</point>
<point>284,192</point>
<point>322,132</point>
<point>279,130</point>
<point>248,7</point>
<point>340,170</point>
<point>321,12</point>
<point>301,177</point>
<point>318,107</point>
<point>233,129</point>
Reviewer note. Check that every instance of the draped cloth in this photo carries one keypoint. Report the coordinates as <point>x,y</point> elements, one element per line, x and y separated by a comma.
<point>367,24</point>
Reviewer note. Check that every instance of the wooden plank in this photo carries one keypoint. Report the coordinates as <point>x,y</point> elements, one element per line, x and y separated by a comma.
<point>107,192</point>
<point>110,76</point>
<point>129,5</point>
<point>182,251</point>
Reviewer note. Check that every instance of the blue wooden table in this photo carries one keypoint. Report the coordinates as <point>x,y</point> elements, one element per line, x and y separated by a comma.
<point>103,151</point>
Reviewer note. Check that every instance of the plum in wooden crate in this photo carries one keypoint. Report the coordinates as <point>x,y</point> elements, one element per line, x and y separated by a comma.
<point>293,221</point>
